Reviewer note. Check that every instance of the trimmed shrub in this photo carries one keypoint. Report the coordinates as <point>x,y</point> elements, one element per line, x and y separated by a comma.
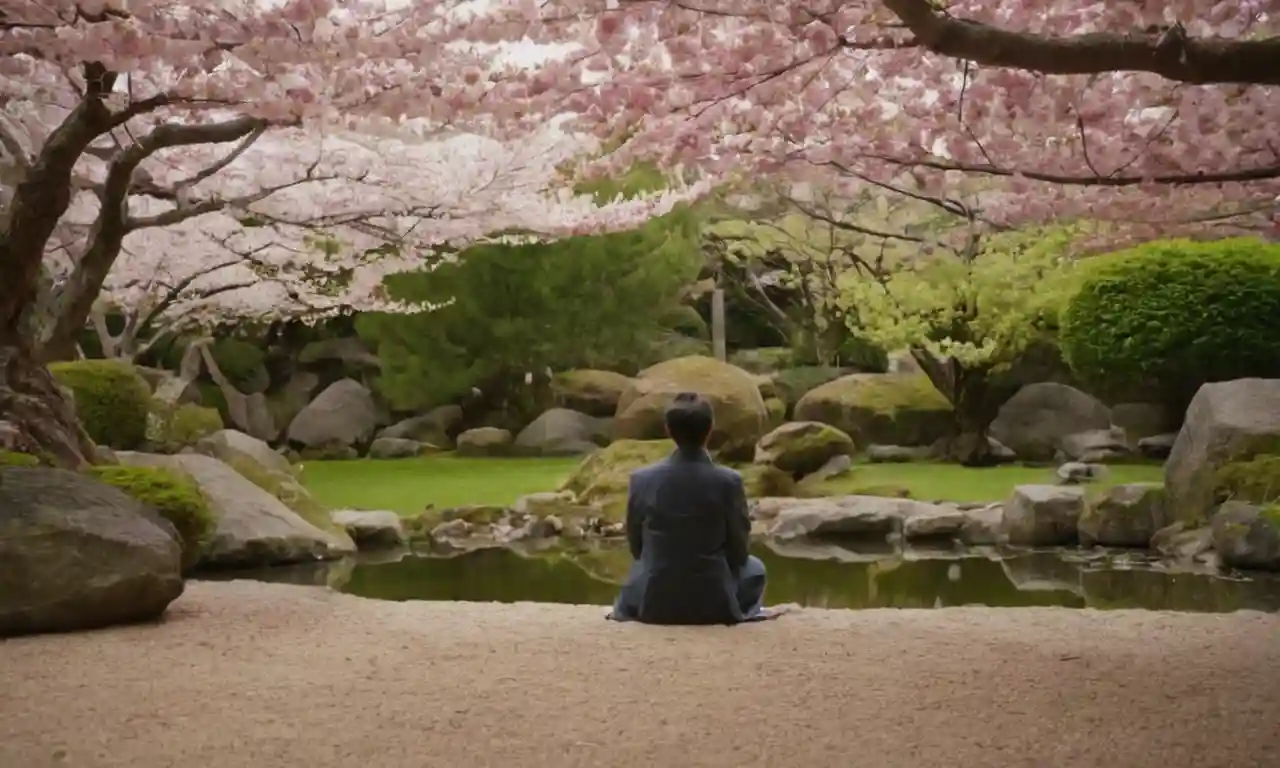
<point>1162,319</point>
<point>112,400</point>
<point>175,496</point>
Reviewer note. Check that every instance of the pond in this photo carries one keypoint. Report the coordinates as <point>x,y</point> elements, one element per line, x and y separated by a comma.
<point>818,575</point>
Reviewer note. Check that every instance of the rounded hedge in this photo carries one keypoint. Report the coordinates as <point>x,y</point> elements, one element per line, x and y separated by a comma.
<point>175,496</point>
<point>112,400</point>
<point>1159,320</point>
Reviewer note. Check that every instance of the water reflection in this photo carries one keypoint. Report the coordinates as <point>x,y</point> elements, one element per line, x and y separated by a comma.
<point>822,575</point>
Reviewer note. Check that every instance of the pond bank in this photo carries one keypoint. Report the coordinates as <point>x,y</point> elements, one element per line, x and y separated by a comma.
<point>246,673</point>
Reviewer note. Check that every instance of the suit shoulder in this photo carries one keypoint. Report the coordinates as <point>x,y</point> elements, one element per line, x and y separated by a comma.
<point>729,475</point>
<point>644,472</point>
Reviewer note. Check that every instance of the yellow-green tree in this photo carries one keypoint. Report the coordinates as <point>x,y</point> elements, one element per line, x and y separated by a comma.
<point>967,316</point>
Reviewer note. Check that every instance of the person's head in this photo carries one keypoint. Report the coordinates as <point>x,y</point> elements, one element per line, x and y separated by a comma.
<point>689,420</point>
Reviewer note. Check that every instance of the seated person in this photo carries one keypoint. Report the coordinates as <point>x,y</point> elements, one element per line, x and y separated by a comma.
<point>688,528</point>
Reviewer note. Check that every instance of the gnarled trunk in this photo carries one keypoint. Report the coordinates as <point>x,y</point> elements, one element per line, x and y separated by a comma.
<point>974,402</point>
<point>35,418</point>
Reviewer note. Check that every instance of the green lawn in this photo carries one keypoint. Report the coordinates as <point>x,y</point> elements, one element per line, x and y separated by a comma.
<point>408,485</point>
<point>951,482</point>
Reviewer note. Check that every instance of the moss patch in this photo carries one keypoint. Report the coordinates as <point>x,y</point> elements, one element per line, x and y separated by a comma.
<point>112,400</point>
<point>174,495</point>
<point>15,459</point>
<point>289,491</point>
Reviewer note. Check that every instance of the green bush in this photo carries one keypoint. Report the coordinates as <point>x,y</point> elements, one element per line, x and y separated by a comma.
<point>240,361</point>
<point>172,429</point>
<point>112,400</point>
<point>175,496</point>
<point>1161,319</point>
<point>1255,480</point>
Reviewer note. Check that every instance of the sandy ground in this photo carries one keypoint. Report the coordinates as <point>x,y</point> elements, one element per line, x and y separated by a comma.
<point>259,675</point>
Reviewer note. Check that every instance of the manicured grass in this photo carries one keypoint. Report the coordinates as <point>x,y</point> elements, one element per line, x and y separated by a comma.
<point>951,482</point>
<point>408,485</point>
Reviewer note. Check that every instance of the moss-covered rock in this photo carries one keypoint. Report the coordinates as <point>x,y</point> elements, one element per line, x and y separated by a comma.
<point>1124,516</point>
<point>1228,422</point>
<point>602,478</point>
<point>1247,536</point>
<point>762,481</point>
<point>111,399</point>
<point>175,496</point>
<point>595,393</point>
<point>740,414</point>
<point>171,428</point>
<point>883,408</point>
<point>801,447</point>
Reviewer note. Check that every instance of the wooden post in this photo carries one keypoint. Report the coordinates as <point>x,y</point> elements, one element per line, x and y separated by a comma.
<point>717,324</point>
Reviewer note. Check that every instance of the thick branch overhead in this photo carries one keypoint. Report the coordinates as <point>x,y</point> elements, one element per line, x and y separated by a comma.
<point>1170,53</point>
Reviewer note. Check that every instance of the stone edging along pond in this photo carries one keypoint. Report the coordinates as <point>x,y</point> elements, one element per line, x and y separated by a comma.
<point>1124,516</point>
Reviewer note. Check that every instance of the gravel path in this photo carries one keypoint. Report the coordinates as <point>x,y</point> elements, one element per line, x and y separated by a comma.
<point>272,676</point>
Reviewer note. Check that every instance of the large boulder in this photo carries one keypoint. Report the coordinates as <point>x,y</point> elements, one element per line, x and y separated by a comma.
<point>77,554</point>
<point>230,445</point>
<point>255,529</point>
<point>1124,516</point>
<point>484,441</point>
<point>595,393</point>
<point>1230,421</point>
<point>802,447</point>
<point>396,448</point>
<point>1043,515</point>
<point>882,408</point>
<point>740,414</point>
<point>562,432</point>
<point>344,414</point>
<point>1034,422</point>
<point>1247,536</point>
<point>1142,420</point>
<point>435,427</point>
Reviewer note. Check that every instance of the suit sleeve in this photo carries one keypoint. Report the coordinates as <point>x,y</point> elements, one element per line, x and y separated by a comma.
<point>635,520</point>
<point>739,525</point>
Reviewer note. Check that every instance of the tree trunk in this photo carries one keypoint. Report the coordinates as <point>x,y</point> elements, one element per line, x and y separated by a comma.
<point>974,403</point>
<point>40,421</point>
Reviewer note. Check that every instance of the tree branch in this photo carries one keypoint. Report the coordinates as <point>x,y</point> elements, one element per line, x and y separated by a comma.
<point>1261,173</point>
<point>73,303</point>
<point>1171,53</point>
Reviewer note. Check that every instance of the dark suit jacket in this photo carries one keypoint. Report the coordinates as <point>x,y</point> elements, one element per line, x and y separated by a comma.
<point>689,530</point>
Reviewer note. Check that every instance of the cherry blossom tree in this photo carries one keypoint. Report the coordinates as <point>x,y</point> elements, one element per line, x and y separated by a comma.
<point>1151,117</point>
<point>106,101</point>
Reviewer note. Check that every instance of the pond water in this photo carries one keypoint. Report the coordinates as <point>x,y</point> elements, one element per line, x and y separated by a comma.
<point>827,576</point>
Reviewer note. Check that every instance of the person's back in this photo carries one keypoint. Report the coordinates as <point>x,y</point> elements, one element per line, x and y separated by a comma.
<point>688,529</point>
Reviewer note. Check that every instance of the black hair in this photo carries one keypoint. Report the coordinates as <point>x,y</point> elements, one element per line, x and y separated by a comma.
<point>689,420</point>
